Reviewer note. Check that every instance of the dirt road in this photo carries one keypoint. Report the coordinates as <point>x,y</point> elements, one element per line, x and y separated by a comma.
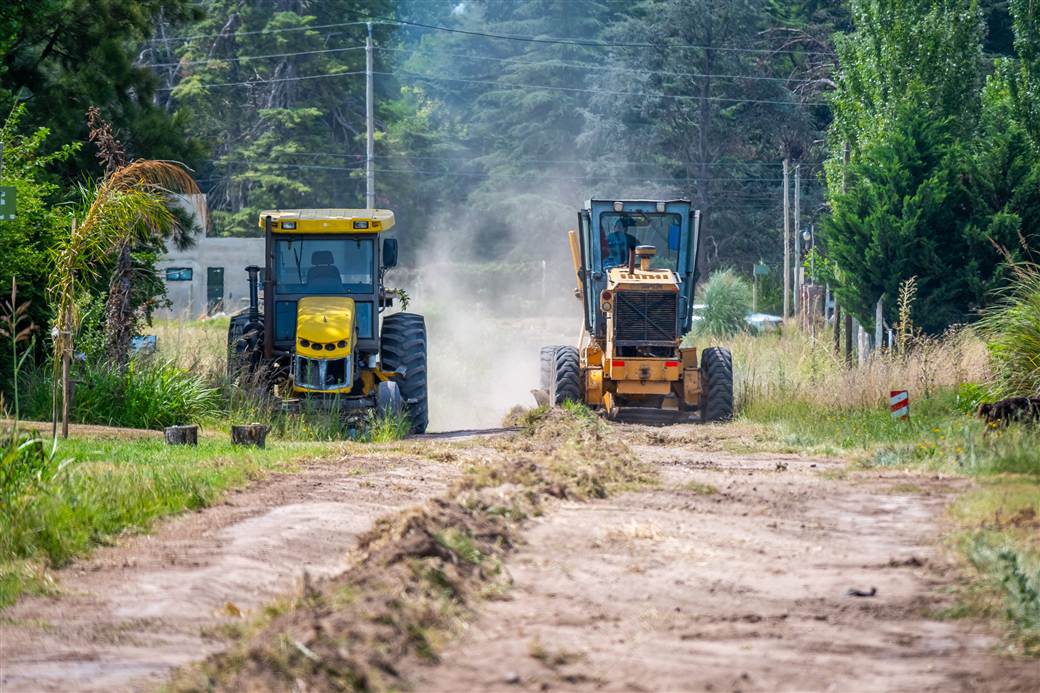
<point>732,574</point>
<point>131,613</point>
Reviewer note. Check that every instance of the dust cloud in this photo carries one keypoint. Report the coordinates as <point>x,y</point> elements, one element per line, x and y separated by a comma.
<point>489,313</point>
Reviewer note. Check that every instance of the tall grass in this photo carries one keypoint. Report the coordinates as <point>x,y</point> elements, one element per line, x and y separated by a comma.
<point>1012,330</point>
<point>144,394</point>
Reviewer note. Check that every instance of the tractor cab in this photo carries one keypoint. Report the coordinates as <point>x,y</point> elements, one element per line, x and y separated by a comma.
<point>319,333</point>
<point>611,231</point>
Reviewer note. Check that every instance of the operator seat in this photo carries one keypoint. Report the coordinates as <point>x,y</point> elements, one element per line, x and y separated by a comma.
<point>323,271</point>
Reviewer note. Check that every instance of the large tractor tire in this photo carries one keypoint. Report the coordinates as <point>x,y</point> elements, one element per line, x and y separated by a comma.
<point>245,347</point>
<point>566,377</point>
<point>402,348</point>
<point>547,364</point>
<point>716,385</point>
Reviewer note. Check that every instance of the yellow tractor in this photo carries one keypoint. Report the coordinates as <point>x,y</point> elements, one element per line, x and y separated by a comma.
<point>318,335</point>
<point>635,262</point>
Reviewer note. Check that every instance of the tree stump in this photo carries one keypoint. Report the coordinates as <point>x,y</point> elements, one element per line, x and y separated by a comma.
<point>182,435</point>
<point>250,434</point>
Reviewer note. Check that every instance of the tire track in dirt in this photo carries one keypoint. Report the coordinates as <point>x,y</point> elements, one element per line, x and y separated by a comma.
<point>131,613</point>
<point>733,575</point>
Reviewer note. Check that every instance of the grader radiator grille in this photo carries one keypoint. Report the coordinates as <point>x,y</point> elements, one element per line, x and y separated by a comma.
<point>645,317</point>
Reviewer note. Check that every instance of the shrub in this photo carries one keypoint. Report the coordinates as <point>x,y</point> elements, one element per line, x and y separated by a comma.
<point>1012,332</point>
<point>145,394</point>
<point>728,299</point>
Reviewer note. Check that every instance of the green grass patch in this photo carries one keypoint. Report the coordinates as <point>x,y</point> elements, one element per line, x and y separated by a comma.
<point>109,487</point>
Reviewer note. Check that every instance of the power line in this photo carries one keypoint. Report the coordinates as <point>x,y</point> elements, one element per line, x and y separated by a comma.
<point>385,21</point>
<point>590,66</point>
<point>275,80</point>
<point>472,159</point>
<point>512,61</point>
<point>252,57</point>
<point>597,44</point>
<point>259,32</point>
<point>463,174</point>
<point>508,85</point>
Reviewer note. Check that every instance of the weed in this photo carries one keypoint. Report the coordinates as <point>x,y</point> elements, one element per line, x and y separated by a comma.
<point>700,489</point>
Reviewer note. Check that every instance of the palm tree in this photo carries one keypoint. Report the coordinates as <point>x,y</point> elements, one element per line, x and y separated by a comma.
<point>132,203</point>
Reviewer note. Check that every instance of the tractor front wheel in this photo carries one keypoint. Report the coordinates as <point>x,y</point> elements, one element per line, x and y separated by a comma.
<point>716,385</point>
<point>402,349</point>
<point>566,376</point>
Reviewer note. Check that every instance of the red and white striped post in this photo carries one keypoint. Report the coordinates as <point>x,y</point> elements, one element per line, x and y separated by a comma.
<point>899,404</point>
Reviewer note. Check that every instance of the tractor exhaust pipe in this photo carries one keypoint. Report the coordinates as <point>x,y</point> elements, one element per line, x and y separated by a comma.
<point>254,301</point>
<point>645,253</point>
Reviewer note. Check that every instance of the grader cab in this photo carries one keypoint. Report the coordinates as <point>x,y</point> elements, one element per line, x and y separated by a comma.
<point>318,335</point>
<point>636,266</point>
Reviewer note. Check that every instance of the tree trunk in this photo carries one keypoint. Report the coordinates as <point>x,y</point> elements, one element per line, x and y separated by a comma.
<point>250,434</point>
<point>181,435</point>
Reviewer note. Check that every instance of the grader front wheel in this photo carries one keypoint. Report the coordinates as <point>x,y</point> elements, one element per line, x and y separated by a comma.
<point>716,385</point>
<point>566,376</point>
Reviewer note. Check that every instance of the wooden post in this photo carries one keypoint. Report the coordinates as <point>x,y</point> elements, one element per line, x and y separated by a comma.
<point>848,338</point>
<point>879,323</point>
<point>837,329</point>
<point>66,390</point>
<point>181,435</point>
<point>787,239</point>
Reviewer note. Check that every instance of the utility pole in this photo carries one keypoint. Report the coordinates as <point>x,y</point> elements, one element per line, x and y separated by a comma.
<point>787,239</point>
<point>370,174</point>
<point>797,239</point>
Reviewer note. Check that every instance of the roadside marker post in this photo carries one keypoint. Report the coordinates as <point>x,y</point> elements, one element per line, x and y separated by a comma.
<point>899,404</point>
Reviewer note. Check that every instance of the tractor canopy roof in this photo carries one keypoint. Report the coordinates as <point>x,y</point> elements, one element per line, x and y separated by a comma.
<point>328,220</point>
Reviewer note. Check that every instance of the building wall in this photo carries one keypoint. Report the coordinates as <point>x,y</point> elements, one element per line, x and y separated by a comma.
<point>231,255</point>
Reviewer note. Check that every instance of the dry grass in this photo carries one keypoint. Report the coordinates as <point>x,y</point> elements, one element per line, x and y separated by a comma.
<point>416,574</point>
<point>791,366</point>
<point>199,346</point>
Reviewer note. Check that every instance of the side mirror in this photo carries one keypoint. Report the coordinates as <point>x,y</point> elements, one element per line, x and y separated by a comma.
<point>389,252</point>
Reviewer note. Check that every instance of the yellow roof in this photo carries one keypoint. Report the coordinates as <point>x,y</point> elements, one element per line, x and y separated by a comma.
<point>328,220</point>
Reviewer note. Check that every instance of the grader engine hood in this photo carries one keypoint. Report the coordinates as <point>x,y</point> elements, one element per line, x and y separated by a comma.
<point>643,307</point>
<point>325,335</point>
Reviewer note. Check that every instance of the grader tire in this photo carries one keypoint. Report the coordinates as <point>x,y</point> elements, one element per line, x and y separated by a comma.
<point>717,386</point>
<point>547,364</point>
<point>403,348</point>
<point>566,380</point>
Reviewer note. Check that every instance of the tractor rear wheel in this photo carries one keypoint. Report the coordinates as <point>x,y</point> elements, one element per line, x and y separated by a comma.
<point>402,348</point>
<point>566,376</point>
<point>716,385</point>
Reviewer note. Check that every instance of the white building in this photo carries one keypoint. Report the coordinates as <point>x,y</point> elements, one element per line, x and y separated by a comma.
<point>210,277</point>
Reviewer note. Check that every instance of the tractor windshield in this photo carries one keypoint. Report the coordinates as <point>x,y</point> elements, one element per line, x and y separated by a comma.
<point>324,265</point>
<point>620,232</point>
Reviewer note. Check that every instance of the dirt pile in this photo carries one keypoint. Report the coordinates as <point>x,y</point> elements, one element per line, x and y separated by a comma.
<point>417,573</point>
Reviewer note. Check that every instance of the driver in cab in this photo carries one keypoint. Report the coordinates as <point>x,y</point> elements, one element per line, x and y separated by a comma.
<point>619,244</point>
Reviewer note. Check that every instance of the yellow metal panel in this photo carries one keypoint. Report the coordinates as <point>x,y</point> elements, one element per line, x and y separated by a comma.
<point>691,386</point>
<point>688,356</point>
<point>324,320</point>
<point>643,369</point>
<point>633,387</point>
<point>593,386</point>
<point>593,356</point>
<point>290,221</point>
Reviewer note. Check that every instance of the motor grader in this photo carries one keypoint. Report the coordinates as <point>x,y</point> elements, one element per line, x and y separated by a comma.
<point>635,262</point>
<point>318,335</point>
